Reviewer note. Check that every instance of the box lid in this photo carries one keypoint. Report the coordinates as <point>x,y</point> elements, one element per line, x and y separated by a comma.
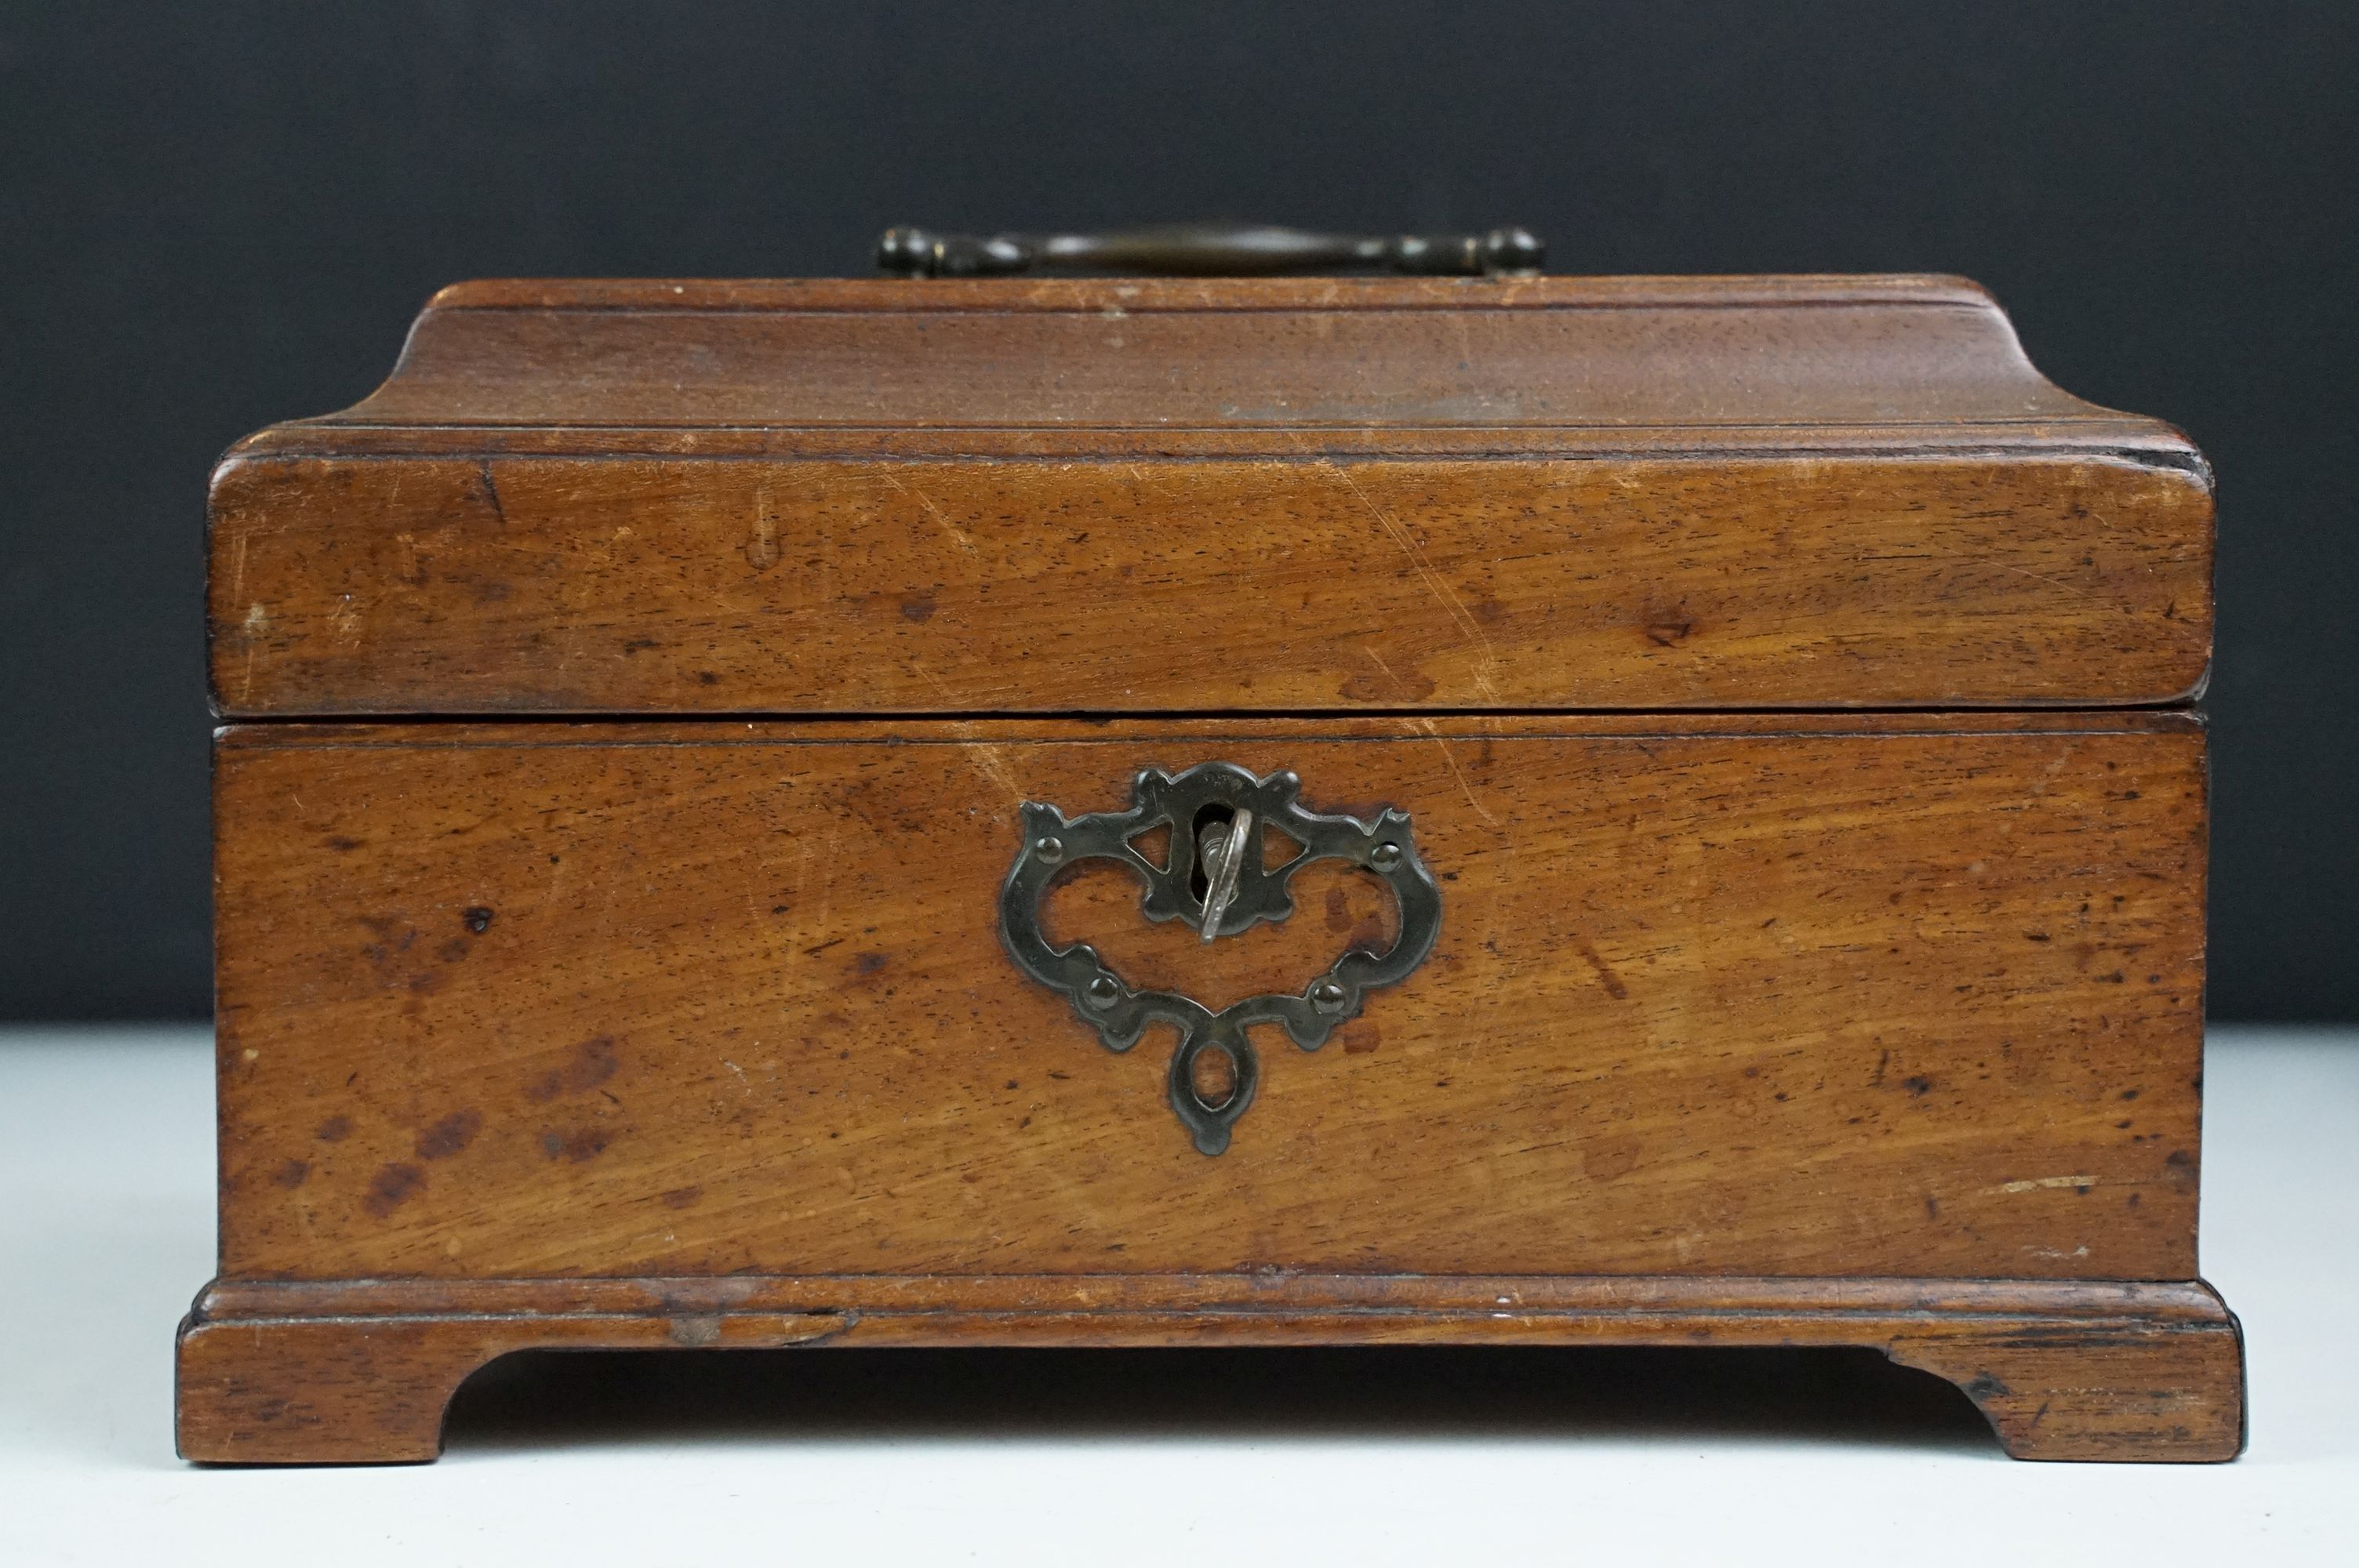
<point>1123,495</point>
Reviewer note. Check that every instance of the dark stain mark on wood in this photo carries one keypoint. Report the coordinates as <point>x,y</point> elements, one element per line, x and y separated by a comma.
<point>918,607</point>
<point>592,1062</point>
<point>681,1197</point>
<point>1669,634</point>
<point>450,1135</point>
<point>491,492</point>
<point>868,963</point>
<point>387,945</point>
<point>1918,1085</point>
<point>391,1187</point>
<point>477,917</point>
<point>587,1143</point>
<point>291,1175</point>
<point>1605,975</point>
<point>335,1129</point>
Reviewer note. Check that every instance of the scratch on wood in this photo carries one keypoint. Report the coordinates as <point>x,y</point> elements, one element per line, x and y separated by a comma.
<point>986,759</point>
<point>1487,657</point>
<point>1434,732</point>
<point>2034,1183</point>
<point>1449,760</point>
<point>1378,660</point>
<point>957,534</point>
<point>2053,582</point>
<point>935,681</point>
<point>762,549</point>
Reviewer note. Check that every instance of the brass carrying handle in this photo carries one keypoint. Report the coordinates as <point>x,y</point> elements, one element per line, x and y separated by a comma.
<point>1209,250</point>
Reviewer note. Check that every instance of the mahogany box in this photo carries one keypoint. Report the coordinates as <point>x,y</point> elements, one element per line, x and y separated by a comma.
<point>1495,811</point>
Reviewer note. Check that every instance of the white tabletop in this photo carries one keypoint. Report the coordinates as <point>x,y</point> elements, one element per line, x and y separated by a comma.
<point>1623,1457</point>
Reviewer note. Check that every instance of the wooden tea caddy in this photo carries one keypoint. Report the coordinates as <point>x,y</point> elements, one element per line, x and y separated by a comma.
<point>1735,740</point>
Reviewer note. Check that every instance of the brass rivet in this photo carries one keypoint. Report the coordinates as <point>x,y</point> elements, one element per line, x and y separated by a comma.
<point>1328,996</point>
<point>1384,856</point>
<point>1052,850</point>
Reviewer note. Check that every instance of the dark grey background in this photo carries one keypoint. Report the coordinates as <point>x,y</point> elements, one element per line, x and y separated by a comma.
<point>214,216</point>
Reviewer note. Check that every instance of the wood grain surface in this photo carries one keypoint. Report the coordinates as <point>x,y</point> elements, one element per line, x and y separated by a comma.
<point>307,1374</point>
<point>1108,496</point>
<point>373,1391</point>
<point>1766,996</point>
<point>1400,355</point>
<point>677,585</point>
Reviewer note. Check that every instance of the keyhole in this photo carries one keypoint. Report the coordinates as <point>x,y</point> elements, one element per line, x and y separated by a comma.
<point>1200,877</point>
<point>1212,1076</point>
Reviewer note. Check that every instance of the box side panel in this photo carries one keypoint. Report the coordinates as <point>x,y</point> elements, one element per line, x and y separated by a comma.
<point>497,584</point>
<point>1784,999</point>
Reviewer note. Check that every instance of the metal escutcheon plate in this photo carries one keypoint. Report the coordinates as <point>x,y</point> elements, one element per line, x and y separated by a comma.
<point>1216,881</point>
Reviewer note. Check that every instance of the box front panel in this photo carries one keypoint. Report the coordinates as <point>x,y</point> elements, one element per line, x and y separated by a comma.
<point>1789,996</point>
